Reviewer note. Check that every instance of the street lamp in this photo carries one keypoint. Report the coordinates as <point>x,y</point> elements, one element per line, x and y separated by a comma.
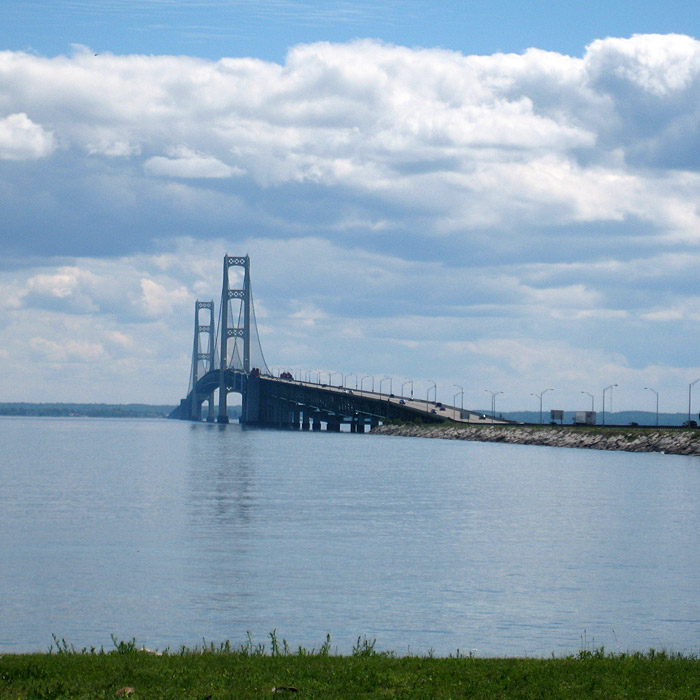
<point>592,400</point>
<point>540,395</point>
<point>367,376</point>
<point>408,381</point>
<point>494,394</point>
<point>345,379</point>
<point>434,388</point>
<point>382,380</point>
<point>460,392</point>
<point>690,389</point>
<point>648,388</point>
<point>604,390</point>
<point>330,377</point>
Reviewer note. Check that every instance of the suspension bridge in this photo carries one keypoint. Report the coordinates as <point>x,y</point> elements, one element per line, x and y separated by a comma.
<point>227,357</point>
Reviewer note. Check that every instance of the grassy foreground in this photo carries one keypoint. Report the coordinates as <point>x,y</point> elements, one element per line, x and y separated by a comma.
<point>252,672</point>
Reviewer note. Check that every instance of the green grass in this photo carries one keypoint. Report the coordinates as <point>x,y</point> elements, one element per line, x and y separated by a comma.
<point>252,671</point>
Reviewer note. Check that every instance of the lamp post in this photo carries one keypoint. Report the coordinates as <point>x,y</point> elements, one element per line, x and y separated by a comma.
<point>592,400</point>
<point>604,390</point>
<point>345,379</point>
<point>408,381</point>
<point>330,377</point>
<point>460,392</point>
<point>648,388</point>
<point>382,380</point>
<point>494,394</point>
<point>434,389</point>
<point>690,389</point>
<point>362,381</point>
<point>539,396</point>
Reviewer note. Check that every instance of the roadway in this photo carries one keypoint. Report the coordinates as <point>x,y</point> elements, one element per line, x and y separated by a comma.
<point>438,410</point>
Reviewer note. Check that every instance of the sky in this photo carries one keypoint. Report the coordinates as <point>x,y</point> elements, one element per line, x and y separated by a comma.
<point>492,196</point>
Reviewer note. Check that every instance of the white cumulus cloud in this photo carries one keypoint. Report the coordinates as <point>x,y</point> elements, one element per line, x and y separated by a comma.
<point>401,205</point>
<point>185,163</point>
<point>22,139</point>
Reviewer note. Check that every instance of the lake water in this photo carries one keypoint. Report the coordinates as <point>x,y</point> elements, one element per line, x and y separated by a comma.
<point>174,533</point>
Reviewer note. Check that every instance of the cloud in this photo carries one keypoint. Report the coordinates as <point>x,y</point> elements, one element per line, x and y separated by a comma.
<point>505,217</point>
<point>188,164</point>
<point>358,311</point>
<point>63,289</point>
<point>120,290</point>
<point>464,142</point>
<point>157,300</point>
<point>653,65</point>
<point>113,149</point>
<point>22,139</point>
<point>649,82</point>
<point>99,327</point>
<point>71,351</point>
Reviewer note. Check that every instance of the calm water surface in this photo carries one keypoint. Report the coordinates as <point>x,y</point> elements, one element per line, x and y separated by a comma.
<point>173,532</point>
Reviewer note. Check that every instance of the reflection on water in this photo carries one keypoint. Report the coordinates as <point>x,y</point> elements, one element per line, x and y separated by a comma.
<point>175,532</point>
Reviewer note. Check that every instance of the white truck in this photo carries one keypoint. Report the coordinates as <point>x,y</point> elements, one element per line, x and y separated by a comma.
<point>585,418</point>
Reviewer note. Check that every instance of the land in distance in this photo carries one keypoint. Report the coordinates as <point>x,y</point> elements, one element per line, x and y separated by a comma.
<point>94,410</point>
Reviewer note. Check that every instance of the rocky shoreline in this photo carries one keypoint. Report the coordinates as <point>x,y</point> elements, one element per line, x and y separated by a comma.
<point>679,442</point>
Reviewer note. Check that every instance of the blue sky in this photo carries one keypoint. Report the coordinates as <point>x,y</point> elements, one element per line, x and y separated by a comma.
<point>500,196</point>
<point>267,28</point>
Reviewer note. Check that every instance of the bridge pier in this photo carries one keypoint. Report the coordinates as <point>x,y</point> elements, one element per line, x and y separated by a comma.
<point>316,422</point>
<point>211,411</point>
<point>359,423</point>
<point>333,425</point>
<point>286,415</point>
<point>252,412</point>
<point>305,419</point>
<point>279,415</point>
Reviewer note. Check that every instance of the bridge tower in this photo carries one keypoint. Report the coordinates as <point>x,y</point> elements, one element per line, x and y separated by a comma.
<point>227,295</point>
<point>199,356</point>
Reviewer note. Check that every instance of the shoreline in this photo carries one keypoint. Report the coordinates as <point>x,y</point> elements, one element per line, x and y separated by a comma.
<point>632,439</point>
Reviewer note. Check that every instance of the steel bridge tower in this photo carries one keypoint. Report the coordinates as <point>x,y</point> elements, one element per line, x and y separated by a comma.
<point>227,295</point>
<point>199,356</point>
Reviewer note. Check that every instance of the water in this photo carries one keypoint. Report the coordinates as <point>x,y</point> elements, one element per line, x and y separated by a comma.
<point>175,533</point>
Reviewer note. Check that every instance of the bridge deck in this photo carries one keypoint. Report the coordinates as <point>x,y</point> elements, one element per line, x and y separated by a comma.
<point>436,411</point>
<point>269,400</point>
